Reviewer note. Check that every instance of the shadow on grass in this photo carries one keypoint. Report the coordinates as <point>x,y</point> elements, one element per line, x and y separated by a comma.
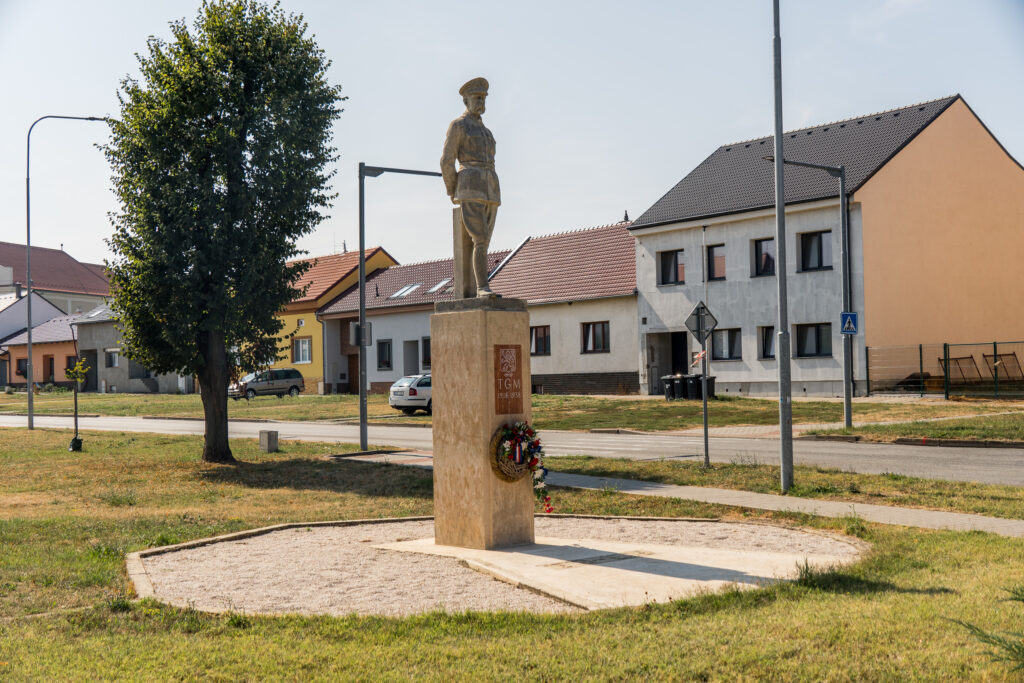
<point>836,581</point>
<point>370,479</point>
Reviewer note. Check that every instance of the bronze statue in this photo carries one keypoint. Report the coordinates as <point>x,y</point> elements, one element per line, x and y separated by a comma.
<point>474,189</point>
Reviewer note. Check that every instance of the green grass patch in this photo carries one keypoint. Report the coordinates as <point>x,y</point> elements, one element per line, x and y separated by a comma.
<point>992,427</point>
<point>62,560</point>
<point>811,482</point>
<point>549,411</point>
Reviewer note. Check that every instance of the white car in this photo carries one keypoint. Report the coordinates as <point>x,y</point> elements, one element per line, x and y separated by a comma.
<point>411,393</point>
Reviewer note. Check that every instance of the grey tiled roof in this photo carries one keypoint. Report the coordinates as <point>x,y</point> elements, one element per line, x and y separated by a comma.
<point>56,330</point>
<point>100,314</point>
<point>736,178</point>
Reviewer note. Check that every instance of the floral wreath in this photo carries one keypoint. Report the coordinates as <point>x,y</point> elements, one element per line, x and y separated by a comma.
<point>516,451</point>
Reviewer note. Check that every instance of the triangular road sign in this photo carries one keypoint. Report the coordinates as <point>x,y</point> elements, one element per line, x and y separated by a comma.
<point>700,322</point>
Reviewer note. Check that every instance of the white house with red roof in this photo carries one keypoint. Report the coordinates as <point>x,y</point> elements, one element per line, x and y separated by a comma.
<point>580,287</point>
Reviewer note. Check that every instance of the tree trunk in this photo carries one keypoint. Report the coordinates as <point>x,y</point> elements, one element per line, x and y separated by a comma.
<point>213,383</point>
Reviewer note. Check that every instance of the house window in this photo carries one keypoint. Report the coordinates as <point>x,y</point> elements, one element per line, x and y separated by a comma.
<point>137,371</point>
<point>814,340</point>
<point>384,354</point>
<point>69,362</point>
<point>540,340</point>
<point>726,345</point>
<point>302,350</point>
<point>767,339</point>
<point>595,338</point>
<point>764,257</point>
<point>673,270</point>
<point>113,358</point>
<point>716,262</point>
<point>425,345</point>
<point>22,367</point>
<point>816,250</point>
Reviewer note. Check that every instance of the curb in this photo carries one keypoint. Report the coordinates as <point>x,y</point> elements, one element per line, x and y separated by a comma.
<point>38,414</point>
<point>963,443</point>
<point>198,419</point>
<point>849,438</point>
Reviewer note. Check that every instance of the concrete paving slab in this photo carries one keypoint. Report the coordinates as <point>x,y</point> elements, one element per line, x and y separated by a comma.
<point>597,574</point>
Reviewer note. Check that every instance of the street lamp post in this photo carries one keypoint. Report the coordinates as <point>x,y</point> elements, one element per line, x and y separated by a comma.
<point>372,172</point>
<point>844,269</point>
<point>782,346</point>
<point>30,376</point>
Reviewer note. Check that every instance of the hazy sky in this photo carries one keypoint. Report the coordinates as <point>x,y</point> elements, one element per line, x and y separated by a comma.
<point>597,107</point>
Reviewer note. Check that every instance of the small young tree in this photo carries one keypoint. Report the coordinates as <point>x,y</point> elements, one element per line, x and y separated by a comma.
<point>77,373</point>
<point>220,162</point>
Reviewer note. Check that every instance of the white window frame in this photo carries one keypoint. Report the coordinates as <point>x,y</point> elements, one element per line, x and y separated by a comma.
<point>298,345</point>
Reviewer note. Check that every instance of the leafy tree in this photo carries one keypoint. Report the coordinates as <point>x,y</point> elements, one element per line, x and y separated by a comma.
<point>220,162</point>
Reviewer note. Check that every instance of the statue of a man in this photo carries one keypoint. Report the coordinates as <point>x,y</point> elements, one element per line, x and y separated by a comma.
<point>475,186</point>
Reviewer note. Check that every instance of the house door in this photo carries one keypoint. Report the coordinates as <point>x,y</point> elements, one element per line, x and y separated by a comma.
<point>48,369</point>
<point>680,355</point>
<point>90,383</point>
<point>353,373</point>
<point>411,357</point>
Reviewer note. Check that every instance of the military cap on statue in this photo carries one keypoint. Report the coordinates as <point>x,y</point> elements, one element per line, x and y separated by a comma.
<point>477,85</point>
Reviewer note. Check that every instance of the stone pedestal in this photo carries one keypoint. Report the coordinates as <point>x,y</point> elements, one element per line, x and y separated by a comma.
<point>480,362</point>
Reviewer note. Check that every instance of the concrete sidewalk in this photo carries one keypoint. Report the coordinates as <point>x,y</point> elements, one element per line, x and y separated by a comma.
<point>883,514</point>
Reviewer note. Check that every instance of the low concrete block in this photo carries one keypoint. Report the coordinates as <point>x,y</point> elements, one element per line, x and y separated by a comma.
<point>268,440</point>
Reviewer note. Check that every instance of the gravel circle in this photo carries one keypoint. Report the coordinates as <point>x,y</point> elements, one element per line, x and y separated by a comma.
<point>336,570</point>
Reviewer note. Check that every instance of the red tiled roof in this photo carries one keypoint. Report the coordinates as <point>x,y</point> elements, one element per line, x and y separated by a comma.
<point>593,263</point>
<point>382,284</point>
<point>54,270</point>
<point>327,271</point>
<point>97,268</point>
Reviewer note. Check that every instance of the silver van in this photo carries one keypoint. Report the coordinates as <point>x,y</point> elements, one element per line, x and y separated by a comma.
<point>277,382</point>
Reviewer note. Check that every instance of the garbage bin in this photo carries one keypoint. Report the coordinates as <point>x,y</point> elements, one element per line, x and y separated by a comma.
<point>693,386</point>
<point>683,389</point>
<point>666,382</point>
<point>679,386</point>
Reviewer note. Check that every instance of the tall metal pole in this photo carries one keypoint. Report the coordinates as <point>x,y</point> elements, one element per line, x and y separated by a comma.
<point>704,344</point>
<point>844,265</point>
<point>782,352</point>
<point>704,388</point>
<point>373,172</point>
<point>362,310</point>
<point>29,376</point>
<point>30,371</point>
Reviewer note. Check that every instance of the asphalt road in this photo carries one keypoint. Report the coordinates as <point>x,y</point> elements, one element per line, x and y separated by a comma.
<point>986,465</point>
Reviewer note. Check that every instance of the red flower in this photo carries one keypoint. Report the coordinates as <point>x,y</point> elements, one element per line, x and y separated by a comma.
<point>533,462</point>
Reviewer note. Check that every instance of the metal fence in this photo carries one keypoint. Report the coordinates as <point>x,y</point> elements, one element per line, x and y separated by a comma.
<point>992,369</point>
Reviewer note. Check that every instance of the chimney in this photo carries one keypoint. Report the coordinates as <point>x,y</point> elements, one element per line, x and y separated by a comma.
<point>17,290</point>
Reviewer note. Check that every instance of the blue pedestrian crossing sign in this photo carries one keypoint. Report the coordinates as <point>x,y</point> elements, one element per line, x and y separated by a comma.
<point>848,323</point>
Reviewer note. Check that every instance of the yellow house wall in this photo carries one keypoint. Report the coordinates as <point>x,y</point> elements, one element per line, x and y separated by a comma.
<point>943,238</point>
<point>313,372</point>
